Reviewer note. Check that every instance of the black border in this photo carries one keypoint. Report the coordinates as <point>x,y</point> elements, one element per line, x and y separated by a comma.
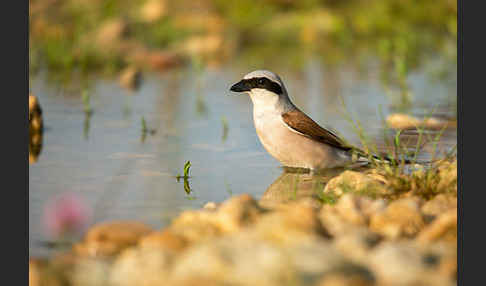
<point>14,26</point>
<point>471,155</point>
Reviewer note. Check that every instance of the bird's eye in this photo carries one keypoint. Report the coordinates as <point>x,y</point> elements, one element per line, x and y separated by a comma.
<point>260,81</point>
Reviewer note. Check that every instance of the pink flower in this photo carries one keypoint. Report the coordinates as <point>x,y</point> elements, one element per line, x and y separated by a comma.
<point>65,215</point>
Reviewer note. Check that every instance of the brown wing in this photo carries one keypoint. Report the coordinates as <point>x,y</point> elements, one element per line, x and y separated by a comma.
<point>303,124</point>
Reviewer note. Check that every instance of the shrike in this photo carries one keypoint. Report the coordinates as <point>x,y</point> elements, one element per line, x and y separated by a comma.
<point>289,135</point>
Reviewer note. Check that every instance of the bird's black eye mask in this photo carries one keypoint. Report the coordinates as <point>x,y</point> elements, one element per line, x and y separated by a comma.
<point>257,82</point>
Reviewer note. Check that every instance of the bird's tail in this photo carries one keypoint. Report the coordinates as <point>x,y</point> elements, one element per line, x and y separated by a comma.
<point>362,156</point>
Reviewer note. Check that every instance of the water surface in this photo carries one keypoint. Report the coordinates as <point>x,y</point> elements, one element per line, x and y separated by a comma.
<point>103,159</point>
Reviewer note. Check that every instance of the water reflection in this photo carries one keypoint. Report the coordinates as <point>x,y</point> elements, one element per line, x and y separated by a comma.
<point>294,184</point>
<point>35,146</point>
<point>86,125</point>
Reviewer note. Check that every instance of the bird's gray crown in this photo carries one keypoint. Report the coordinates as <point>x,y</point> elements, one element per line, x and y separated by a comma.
<point>262,79</point>
<point>264,74</point>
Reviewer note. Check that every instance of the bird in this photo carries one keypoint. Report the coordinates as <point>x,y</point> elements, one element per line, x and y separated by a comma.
<point>288,134</point>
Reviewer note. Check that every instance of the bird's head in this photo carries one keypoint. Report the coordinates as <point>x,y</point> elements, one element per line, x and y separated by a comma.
<point>260,82</point>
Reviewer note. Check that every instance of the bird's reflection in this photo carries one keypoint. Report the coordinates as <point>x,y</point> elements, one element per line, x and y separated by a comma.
<point>294,184</point>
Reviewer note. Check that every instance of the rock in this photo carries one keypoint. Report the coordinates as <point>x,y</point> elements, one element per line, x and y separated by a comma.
<point>233,260</point>
<point>301,242</point>
<point>107,239</point>
<point>239,259</point>
<point>350,211</point>
<point>403,264</point>
<point>157,60</point>
<point>441,257</point>
<point>333,222</point>
<point>357,244</point>
<point>315,259</point>
<point>231,216</point>
<point>35,268</point>
<point>131,78</point>
<point>41,273</point>
<point>401,218</point>
<point>439,204</point>
<point>35,146</point>
<point>448,177</point>
<point>210,206</point>
<point>238,212</point>
<point>89,271</point>
<point>153,10</point>
<point>141,266</point>
<point>349,208</point>
<point>356,182</point>
<point>111,32</point>
<point>293,224</point>
<point>443,227</point>
<point>404,121</point>
<point>163,240</point>
<point>205,46</point>
<point>345,279</point>
<point>36,124</point>
<point>208,22</point>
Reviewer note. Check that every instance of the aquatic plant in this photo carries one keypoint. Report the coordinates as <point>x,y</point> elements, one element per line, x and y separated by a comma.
<point>86,97</point>
<point>146,130</point>
<point>224,121</point>
<point>186,177</point>
<point>187,166</point>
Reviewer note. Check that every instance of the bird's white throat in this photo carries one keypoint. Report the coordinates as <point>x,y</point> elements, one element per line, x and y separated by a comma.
<point>265,101</point>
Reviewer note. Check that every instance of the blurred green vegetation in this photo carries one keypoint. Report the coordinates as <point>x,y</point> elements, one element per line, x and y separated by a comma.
<point>107,35</point>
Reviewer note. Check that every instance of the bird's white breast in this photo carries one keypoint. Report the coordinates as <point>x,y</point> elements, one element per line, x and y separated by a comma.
<point>291,148</point>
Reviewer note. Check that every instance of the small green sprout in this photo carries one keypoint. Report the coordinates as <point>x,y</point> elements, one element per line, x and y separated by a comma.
<point>225,128</point>
<point>187,166</point>
<point>187,187</point>
<point>185,177</point>
<point>146,130</point>
<point>88,111</point>
<point>86,103</point>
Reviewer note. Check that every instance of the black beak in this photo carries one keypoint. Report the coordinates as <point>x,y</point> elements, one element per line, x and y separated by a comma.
<point>240,86</point>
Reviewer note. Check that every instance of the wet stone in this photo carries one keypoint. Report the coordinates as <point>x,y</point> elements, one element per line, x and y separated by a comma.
<point>355,182</point>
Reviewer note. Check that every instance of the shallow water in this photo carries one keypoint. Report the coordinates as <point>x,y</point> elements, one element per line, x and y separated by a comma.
<point>120,177</point>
